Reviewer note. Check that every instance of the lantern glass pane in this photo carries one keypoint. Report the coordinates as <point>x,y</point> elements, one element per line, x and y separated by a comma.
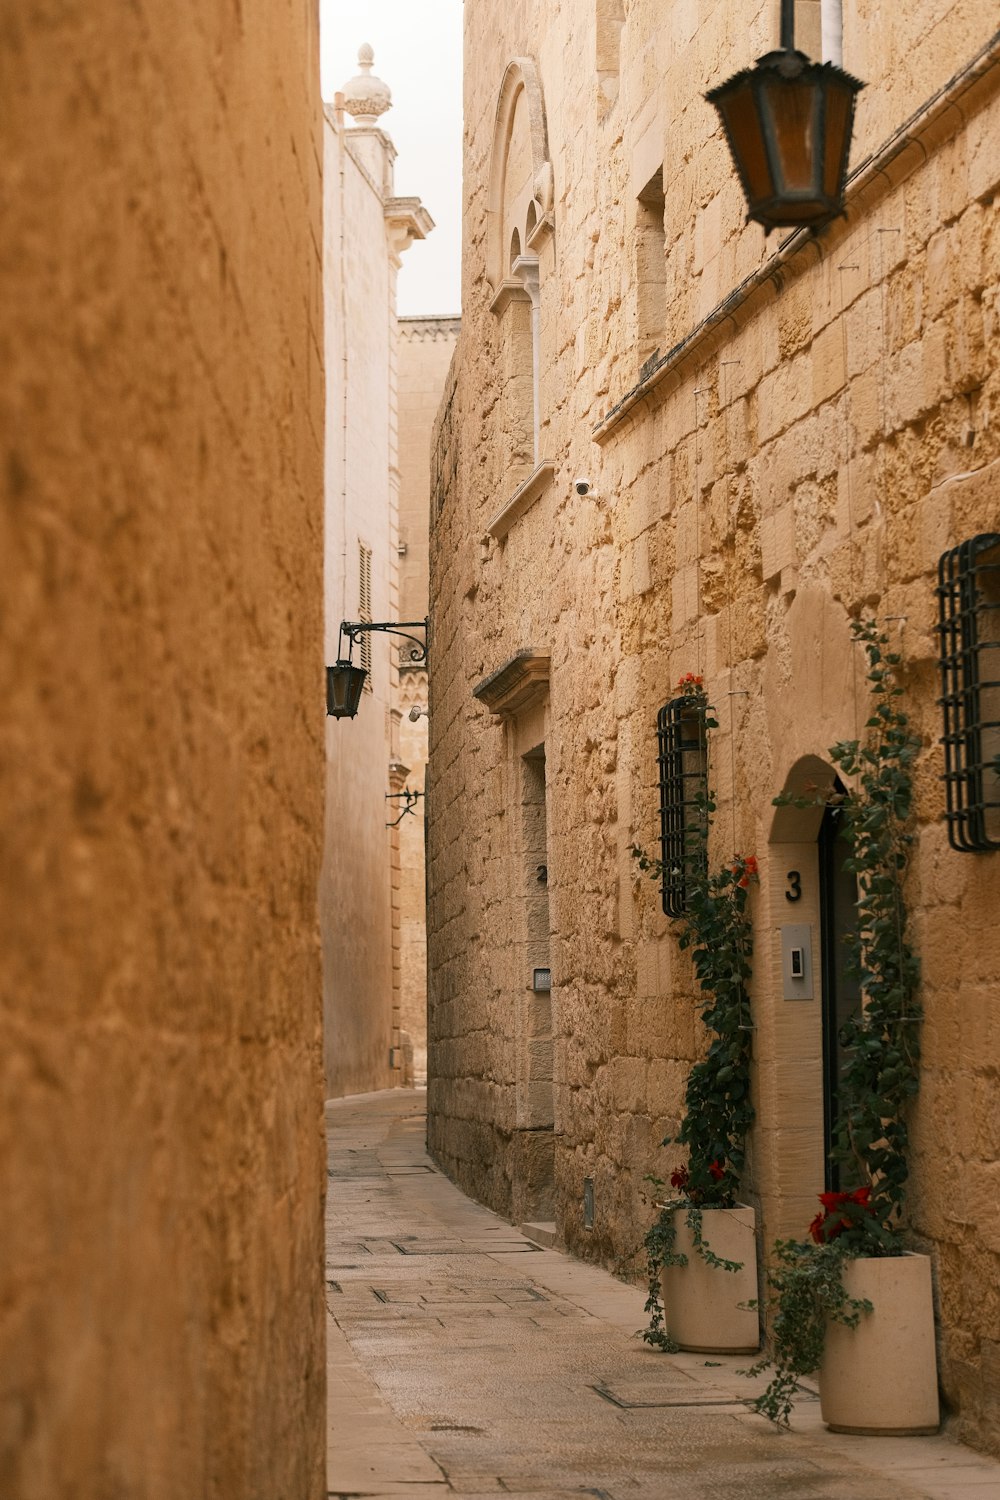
<point>739,112</point>
<point>792,110</point>
<point>839,106</point>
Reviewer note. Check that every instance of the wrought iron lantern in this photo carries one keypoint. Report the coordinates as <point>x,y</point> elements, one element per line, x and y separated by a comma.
<point>788,122</point>
<point>344,684</point>
<point>344,681</point>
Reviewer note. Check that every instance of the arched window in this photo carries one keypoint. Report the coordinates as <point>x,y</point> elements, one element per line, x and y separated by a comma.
<point>518,223</point>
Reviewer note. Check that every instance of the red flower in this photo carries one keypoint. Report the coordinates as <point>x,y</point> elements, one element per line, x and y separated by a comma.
<point>833,1220</point>
<point>679,1178</point>
<point>717,1171</point>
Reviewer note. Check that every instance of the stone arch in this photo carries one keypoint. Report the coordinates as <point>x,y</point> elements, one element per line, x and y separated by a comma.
<point>515,248</point>
<point>810,775</point>
<point>520,92</point>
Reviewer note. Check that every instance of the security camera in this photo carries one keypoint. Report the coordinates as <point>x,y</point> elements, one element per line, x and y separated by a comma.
<point>415,713</point>
<point>582,486</point>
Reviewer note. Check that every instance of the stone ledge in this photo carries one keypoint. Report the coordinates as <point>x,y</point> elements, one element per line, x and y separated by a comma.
<point>522,499</point>
<point>519,684</point>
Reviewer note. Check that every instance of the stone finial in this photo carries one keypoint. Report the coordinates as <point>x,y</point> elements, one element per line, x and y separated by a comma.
<point>365,96</point>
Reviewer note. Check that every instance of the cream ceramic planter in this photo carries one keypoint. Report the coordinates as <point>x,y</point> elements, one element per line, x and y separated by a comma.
<point>702,1302</point>
<point>880,1378</point>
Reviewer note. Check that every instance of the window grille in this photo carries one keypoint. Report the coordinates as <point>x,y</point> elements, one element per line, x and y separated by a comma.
<point>365,609</point>
<point>683,763</point>
<point>969,625</point>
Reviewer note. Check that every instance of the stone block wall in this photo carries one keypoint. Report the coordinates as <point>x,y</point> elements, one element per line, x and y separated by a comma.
<point>802,453</point>
<point>161,405</point>
<point>426,347</point>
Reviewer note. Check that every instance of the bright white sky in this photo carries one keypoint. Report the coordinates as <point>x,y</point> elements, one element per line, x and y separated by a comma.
<point>418,52</point>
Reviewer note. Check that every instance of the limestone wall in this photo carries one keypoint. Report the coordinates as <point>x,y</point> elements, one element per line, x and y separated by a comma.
<point>356,890</point>
<point>426,346</point>
<point>161,389</point>
<point>756,477</point>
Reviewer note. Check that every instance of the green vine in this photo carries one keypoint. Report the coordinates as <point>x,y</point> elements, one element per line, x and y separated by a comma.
<point>807,1292</point>
<point>661,1250</point>
<point>718,1113</point>
<point>871,1140</point>
<point>881,1041</point>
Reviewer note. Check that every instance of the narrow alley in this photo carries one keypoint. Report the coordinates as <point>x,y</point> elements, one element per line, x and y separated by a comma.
<point>464,1360</point>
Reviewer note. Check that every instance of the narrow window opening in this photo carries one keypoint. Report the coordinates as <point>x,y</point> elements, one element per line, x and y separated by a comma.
<point>683,765</point>
<point>651,268</point>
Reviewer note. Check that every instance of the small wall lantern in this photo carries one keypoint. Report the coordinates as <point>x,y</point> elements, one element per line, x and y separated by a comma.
<point>788,122</point>
<point>344,684</point>
<point>345,681</point>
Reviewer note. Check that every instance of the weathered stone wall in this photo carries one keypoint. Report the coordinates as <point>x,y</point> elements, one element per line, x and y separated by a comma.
<point>356,914</point>
<point>807,455</point>
<point>426,347</point>
<point>161,405</point>
<point>366,230</point>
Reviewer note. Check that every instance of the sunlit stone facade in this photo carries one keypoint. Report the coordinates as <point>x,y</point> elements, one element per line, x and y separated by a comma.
<point>668,447</point>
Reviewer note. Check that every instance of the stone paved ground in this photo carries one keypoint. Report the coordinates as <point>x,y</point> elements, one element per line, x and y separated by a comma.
<point>465,1361</point>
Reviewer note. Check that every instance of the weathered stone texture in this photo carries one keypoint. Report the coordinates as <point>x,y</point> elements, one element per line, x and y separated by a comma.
<point>161,405</point>
<point>808,456</point>
<point>426,347</point>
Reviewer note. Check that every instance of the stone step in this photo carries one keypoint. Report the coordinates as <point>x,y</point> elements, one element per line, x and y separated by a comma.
<point>540,1234</point>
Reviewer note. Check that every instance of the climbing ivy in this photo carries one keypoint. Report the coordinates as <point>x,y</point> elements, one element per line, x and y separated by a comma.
<point>716,927</point>
<point>881,1041</point>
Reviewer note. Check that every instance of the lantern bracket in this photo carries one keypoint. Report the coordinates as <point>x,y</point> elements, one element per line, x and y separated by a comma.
<point>353,628</point>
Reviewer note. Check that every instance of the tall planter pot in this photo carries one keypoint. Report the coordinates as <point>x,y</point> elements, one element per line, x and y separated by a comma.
<point>702,1311</point>
<point>880,1378</point>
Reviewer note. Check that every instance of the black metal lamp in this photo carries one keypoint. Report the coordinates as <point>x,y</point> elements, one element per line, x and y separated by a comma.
<point>345,681</point>
<point>788,122</point>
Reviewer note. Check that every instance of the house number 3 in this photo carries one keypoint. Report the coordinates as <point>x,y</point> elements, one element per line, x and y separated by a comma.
<point>794,892</point>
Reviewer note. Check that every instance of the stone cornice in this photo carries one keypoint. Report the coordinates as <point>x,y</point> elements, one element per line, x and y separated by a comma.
<point>508,292</point>
<point>415,330</point>
<point>520,683</point>
<point>522,499</point>
<point>406,220</point>
<point>871,180</point>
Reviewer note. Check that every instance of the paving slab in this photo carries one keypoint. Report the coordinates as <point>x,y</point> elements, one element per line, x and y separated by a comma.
<point>466,1359</point>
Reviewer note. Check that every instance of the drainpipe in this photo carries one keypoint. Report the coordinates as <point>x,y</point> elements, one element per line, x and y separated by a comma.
<point>339,116</point>
<point>832,24</point>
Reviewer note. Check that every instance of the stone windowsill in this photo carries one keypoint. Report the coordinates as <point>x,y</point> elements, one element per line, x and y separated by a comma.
<point>522,499</point>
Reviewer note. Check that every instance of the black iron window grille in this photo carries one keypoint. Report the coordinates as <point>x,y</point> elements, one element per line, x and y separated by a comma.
<point>969,625</point>
<point>683,763</point>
